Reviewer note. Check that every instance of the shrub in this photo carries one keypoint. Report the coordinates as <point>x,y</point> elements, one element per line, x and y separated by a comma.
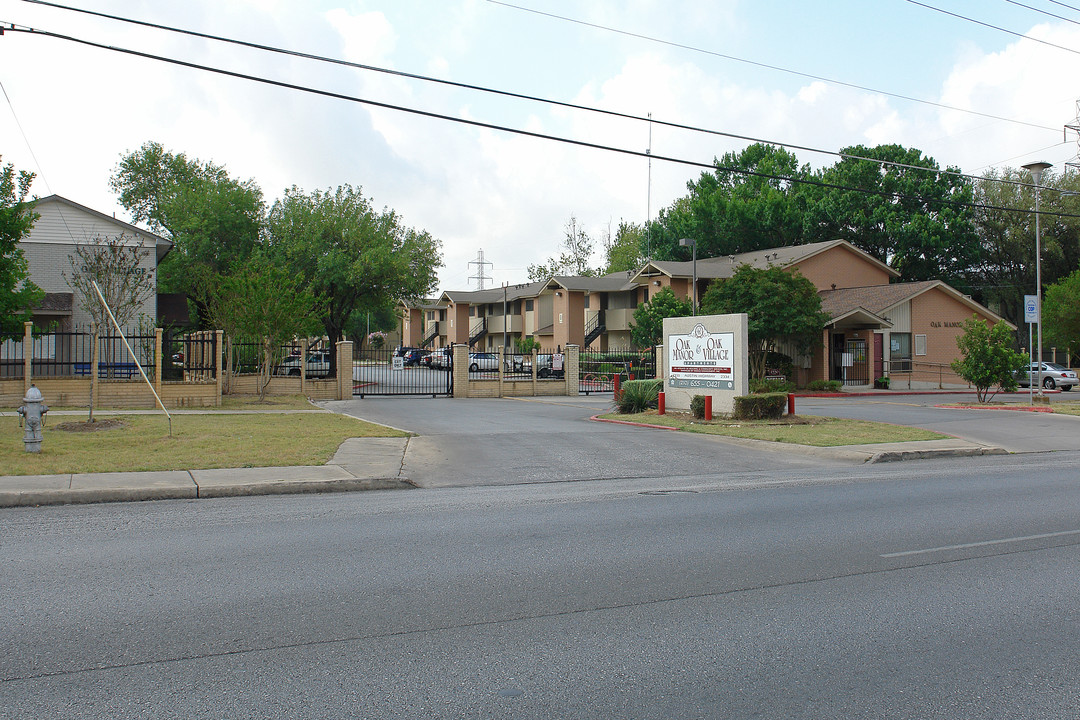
<point>638,395</point>
<point>768,406</point>
<point>697,406</point>
<point>758,386</point>
<point>825,385</point>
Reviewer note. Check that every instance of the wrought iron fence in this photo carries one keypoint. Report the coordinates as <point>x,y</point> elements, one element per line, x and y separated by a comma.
<point>12,354</point>
<point>386,372</point>
<point>597,370</point>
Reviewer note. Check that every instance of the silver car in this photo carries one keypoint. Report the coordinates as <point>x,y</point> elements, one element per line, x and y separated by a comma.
<point>1053,376</point>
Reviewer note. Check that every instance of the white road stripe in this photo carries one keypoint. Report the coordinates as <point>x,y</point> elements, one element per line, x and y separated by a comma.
<point>981,544</point>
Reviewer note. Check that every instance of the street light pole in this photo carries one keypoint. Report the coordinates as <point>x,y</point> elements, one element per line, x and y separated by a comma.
<point>1036,170</point>
<point>693,243</point>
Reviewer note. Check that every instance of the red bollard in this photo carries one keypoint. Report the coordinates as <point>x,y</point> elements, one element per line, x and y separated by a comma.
<point>660,403</point>
<point>708,407</point>
<point>616,387</point>
<point>791,403</point>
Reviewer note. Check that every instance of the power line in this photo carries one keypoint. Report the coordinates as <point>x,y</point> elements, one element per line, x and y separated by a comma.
<point>755,63</point>
<point>992,27</point>
<point>612,113</point>
<point>516,131</point>
<point>1042,12</point>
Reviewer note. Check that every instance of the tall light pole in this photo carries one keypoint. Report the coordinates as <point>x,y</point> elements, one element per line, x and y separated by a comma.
<point>693,243</point>
<point>1036,170</point>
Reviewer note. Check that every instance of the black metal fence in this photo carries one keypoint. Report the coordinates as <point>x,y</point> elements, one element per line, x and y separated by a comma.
<point>385,372</point>
<point>597,370</point>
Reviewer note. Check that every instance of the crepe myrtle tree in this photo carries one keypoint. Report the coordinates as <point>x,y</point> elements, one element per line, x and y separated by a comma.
<point>987,357</point>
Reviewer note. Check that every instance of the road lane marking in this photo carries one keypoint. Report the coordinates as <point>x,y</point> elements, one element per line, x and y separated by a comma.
<point>984,543</point>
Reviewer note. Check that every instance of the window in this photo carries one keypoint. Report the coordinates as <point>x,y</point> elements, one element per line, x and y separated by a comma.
<point>920,344</point>
<point>528,306</point>
<point>472,311</point>
<point>586,302</point>
<point>899,352</point>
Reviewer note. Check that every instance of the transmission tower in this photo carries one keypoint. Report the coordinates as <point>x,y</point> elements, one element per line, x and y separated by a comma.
<point>480,277</point>
<point>1075,127</point>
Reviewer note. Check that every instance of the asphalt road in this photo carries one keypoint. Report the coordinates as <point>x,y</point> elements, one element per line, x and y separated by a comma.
<point>533,440</point>
<point>931,589</point>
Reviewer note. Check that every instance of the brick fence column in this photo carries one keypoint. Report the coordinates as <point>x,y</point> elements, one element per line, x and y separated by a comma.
<point>159,360</point>
<point>571,369</point>
<point>460,370</point>
<point>344,369</point>
<point>218,336</point>
<point>28,355</point>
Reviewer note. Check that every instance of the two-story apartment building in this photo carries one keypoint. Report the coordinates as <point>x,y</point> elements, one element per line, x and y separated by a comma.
<point>878,326</point>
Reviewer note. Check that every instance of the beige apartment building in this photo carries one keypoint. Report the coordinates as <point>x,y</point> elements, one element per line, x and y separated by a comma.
<point>878,325</point>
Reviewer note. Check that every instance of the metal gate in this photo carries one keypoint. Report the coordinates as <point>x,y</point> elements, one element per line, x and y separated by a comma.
<point>854,363</point>
<point>401,372</point>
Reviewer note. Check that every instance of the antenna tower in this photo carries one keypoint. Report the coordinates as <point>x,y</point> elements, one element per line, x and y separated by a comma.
<point>480,277</point>
<point>1075,127</point>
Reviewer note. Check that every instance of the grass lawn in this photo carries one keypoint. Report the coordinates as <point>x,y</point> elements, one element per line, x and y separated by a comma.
<point>1066,408</point>
<point>800,430</point>
<point>142,442</point>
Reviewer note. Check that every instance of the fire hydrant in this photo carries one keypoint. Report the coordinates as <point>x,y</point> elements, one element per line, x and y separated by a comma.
<point>33,411</point>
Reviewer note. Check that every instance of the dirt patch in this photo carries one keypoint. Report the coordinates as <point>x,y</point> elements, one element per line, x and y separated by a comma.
<point>106,424</point>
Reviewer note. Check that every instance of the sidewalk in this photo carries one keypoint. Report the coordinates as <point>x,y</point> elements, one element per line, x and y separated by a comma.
<point>359,464</point>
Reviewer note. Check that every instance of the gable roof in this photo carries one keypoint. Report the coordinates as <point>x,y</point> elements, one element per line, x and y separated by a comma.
<point>162,245</point>
<point>878,300</point>
<point>492,295</point>
<point>724,266</point>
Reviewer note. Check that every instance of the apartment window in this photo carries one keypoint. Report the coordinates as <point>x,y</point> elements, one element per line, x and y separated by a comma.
<point>528,306</point>
<point>472,311</point>
<point>900,352</point>
<point>920,344</point>
<point>586,302</point>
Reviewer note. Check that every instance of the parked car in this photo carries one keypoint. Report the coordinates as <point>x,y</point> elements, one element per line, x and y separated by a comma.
<point>483,361</point>
<point>545,365</point>
<point>318,365</point>
<point>414,356</point>
<point>441,359</point>
<point>1054,376</point>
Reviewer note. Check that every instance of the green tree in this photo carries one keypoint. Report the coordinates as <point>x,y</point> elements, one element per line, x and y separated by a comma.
<point>781,307</point>
<point>647,328</point>
<point>17,294</point>
<point>349,254</point>
<point>627,249</point>
<point>263,301</point>
<point>1061,312</point>
<point>1006,271</point>
<point>577,251</point>
<point>987,357</point>
<point>748,202</point>
<point>915,220</point>
<point>214,220</point>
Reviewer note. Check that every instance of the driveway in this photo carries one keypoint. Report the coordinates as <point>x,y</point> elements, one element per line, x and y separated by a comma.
<point>530,440</point>
<point>1014,430</point>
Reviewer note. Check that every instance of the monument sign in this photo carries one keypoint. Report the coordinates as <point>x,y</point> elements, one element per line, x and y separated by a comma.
<point>705,355</point>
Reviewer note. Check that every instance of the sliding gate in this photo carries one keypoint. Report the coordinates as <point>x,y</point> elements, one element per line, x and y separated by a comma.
<point>381,372</point>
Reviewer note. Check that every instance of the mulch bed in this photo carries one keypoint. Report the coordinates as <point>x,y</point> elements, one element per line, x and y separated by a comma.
<point>104,424</point>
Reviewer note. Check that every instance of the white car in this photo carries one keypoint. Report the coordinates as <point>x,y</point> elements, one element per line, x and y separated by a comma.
<point>318,365</point>
<point>483,361</point>
<point>1053,376</point>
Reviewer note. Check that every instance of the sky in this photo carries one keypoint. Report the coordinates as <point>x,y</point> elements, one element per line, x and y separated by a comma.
<point>975,84</point>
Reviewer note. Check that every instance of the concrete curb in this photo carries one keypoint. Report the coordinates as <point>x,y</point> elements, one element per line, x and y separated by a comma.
<point>869,454</point>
